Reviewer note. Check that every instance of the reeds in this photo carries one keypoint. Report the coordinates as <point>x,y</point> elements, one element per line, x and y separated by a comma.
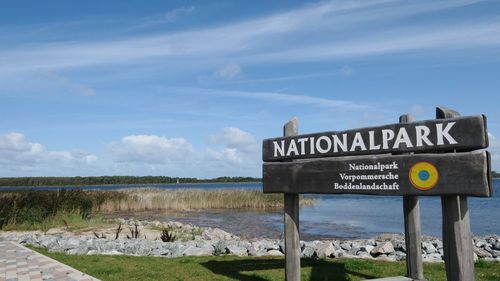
<point>36,209</point>
<point>192,199</point>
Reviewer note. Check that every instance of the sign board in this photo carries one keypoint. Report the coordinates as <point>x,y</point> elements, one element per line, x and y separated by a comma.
<point>439,135</point>
<point>414,174</point>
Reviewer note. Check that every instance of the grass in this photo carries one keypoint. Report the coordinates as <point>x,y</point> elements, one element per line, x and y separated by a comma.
<point>244,268</point>
<point>193,199</point>
<point>71,221</point>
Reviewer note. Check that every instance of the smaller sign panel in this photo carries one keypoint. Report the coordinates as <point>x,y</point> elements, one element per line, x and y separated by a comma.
<point>461,134</point>
<point>415,174</point>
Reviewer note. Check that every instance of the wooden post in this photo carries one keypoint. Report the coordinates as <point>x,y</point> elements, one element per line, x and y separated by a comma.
<point>291,220</point>
<point>413,233</point>
<point>457,240</point>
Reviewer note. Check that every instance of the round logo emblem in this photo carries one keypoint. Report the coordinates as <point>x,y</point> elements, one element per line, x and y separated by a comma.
<point>423,175</point>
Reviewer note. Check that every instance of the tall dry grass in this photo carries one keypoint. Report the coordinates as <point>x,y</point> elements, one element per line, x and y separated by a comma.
<point>191,199</point>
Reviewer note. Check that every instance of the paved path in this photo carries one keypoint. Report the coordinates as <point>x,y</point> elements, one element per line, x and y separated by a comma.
<point>20,263</point>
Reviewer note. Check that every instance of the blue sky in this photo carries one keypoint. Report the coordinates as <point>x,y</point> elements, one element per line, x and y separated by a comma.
<point>190,88</point>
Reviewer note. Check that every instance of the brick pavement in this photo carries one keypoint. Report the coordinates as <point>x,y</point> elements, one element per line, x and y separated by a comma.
<point>22,264</point>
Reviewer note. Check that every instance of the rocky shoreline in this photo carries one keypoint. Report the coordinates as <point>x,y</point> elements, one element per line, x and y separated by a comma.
<point>214,241</point>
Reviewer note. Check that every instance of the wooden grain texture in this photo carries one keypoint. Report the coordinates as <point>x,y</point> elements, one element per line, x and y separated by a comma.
<point>413,232</point>
<point>457,245</point>
<point>291,221</point>
<point>469,132</point>
<point>459,173</point>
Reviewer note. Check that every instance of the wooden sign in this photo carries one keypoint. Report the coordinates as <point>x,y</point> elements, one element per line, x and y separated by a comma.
<point>416,174</point>
<point>460,134</point>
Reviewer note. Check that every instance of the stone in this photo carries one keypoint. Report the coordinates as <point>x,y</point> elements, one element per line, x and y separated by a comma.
<point>49,242</point>
<point>217,234</point>
<point>307,252</point>
<point>345,246</point>
<point>399,245</point>
<point>429,248</point>
<point>324,249</point>
<point>438,244</point>
<point>383,248</point>
<point>481,253</point>
<point>435,257</point>
<point>220,248</point>
<point>495,253</point>
<point>496,246</point>
<point>198,251</point>
<point>237,250</point>
<point>366,248</point>
<point>275,253</point>
<point>112,253</point>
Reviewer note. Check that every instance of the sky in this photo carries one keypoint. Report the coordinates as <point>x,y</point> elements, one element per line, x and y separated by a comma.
<point>191,88</point>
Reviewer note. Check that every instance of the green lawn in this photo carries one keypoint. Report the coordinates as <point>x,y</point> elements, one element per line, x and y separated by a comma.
<point>246,268</point>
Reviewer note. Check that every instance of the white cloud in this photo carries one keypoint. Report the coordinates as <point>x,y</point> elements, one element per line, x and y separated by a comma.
<point>238,147</point>
<point>267,38</point>
<point>178,12</point>
<point>152,149</point>
<point>229,71</point>
<point>274,97</point>
<point>17,153</point>
<point>231,151</point>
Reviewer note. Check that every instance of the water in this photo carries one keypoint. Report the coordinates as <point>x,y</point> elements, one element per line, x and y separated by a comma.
<point>333,216</point>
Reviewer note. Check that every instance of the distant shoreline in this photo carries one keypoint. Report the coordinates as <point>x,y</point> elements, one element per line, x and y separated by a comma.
<point>115,180</point>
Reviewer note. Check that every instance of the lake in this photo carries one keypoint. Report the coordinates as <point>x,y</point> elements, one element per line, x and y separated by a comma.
<point>333,216</point>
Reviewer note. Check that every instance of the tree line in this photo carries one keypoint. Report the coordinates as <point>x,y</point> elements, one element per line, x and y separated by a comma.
<point>108,180</point>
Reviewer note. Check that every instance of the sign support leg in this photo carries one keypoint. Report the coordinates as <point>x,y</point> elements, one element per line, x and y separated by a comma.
<point>457,240</point>
<point>413,233</point>
<point>291,221</point>
<point>292,244</point>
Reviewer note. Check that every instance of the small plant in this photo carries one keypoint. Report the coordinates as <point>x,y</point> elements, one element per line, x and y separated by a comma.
<point>134,232</point>
<point>100,237</point>
<point>167,235</point>
<point>118,230</point>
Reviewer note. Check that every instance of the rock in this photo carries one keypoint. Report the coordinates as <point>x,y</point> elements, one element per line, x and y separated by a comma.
<point>307,252</point>
<point>261,247</point>
<point>345,246</point>
<point>49,242</point>
<point>366,248</point>
<point>399,245</point>
<point>428,248</point>
<point>384,248</point>
<point>237,250</point>
<point>199,251</point>
<point>481,253</point>
<point>220,248</point>
<point>496,246</point>
<point>435,257</point>
<point>217,234</point>
<point>324,249</point>
<point>112,253</point>
<point>495,253</point>
<point>438,244</point>
<point>275,253</point>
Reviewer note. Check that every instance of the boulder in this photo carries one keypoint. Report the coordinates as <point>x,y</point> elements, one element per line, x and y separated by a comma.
<point>206,250</point>
<point>217,234</point>
<point>275,253</point>
<point>237,249</point>
<point>429,248</point>
<point>324,249</point>
<point>384,248</point>
<point>435,257</point>
<point>481,253</point>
